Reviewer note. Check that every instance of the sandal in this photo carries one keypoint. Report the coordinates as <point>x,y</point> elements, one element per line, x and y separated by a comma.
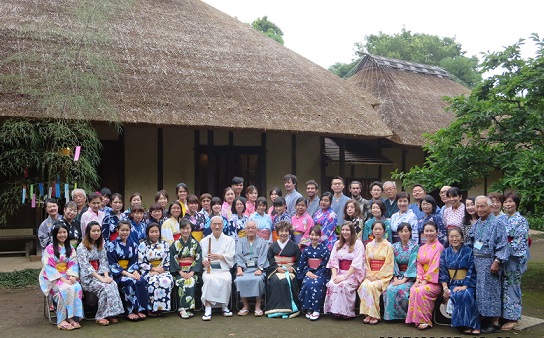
<point>227,313</point>
<point>74,324</point>
<point>467,331</point>
<point>183,314</point>
<point>65,326</point>
<point>509,326</point>
<point>476,332</point>
<point>243,312</point>
<point>259,313</point>
<point>366,320</point>
<point>373,321</point>
<point>151,314</point>
<point>133,317</point>
<point>113,320</point>
<point>103,322</point>
<point>423,326</point>
<point>207,317</point>
<point>141,315</point>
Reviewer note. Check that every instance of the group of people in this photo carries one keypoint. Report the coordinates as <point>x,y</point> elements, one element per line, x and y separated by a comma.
<point>310,255</point>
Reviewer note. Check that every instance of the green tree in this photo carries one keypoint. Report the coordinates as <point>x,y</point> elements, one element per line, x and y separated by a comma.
<point>343,69</point>
<point>268,28</point>
<point>499,126</point>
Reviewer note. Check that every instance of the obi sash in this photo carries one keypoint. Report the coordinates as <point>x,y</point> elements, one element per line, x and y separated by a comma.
<point>176,236</point>
<point>264,234</point>
<point>284,260</point>
<point>155,262</point>
<point>345,264</point>
<point>197,235</point>
<point>403,267</point>
<point>242,233</point>
<point>376,264</point>
<point>62,267</point>
<point>297,236</point>
<point>460,275</point>
<point>95,264</point>
<point>186,261</point>
<point>113,236</point>
<point>123,263</point>
<point>314,263</point>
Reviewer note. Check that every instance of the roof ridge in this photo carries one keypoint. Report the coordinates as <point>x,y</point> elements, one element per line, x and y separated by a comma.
<point>409,66</point>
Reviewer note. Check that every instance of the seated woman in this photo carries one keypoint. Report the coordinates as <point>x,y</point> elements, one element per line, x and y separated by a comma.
<point>458,279</point>
<point>312,269</point>
<point>282,300</point>
<point>186,266</point>
<point>377,210</point>
<point>379,271</point>
<point>94,274</point>
<point>395,298</point>
<point>251,260</point>
<point>348,271</point>
<point>123,261</point>
<point>198,220</point>
<point>426,288</point>
<point>302,223</point>
<point>58,278</point>
<point>154,263</point>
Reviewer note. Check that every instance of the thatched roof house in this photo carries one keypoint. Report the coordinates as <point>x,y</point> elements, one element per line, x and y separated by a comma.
<point>411,95</point>
<point>179,62</point>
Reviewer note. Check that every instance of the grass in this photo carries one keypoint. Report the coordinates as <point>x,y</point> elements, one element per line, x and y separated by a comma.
<point>19,279</point>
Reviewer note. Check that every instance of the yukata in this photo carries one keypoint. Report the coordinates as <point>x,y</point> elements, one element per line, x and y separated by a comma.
<point>489,242</point>
<point>282,300</point>
<point>337,206</point>
<point>302,226</point>
<point>395,297</point>
<point>227,229</point>
<point>66,296</point>
<point>416,208</point>
<point>279,218</point>
<point>226,210</point>
<point>517,232</point>
<point>250,208</point>
<point>250,257</point>
<point>312,292</point>
<point>291,202</point>
<point>186,256</point>
<point>453,217</point>
<point>340,298</point>
<point>367,235</point>
<point>391,207</point>
<point>44,231</point>
<point>75,236</point>
<point>109,226</point>
<point>408,217</point>
<point>218,283</point>
<point>159,286</point>
<point>457,269</point>
<point>358,223</point>
<point>442,230</point>
<point>422,297</point>
<point>380,263</point>
<point>124,257</point>
<point>95,260</point>
<point>313,206</point>
<point>238,223</point>
<point>137,231</point>
<point>327,220</point>
<point>264,226</point>
<point>170,231</point>
<point>198,221</point>
<point>90,216</point>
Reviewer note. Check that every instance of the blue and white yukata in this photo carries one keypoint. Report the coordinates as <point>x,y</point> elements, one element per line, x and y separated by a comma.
<point>312,293</point>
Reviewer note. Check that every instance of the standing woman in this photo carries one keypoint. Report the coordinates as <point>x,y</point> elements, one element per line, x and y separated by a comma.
<point>135,199</point>
<point>170,230</point>
<point>431,212</point>
<point>74,227</point>
<point>161,197</point>
<point>251,194</point>
<point>109,224</point>
<point>377,209</point>
<point>283,255</point>
<point>470,217</point>
<point>312,270</point>
<point>302,223</point>
<point>353,214</point>
<point>426,288</point>
<point>185,267</point>
<point>226,208</point>
<point>95,278</point>
<point>123,261</point>
<point>239,218</point>
<point>395,298</point>
<point>137,223</point>
<point>182,191</point>
<point>274,192</point>
<point>379,271</point>
<point>348,271</point>
<point>404,215</point>
<point>216,211</point>
<point>93,213</point>
<point>58,278</point>
<point>264,223</point>
<point>44,231</point>
<point>458,279</point>
<point>154,262</point>
<point>156,213</point>
<point>517,231</point>
<point>326,219</point>
<point>455,214</point>
<point>198,220</point>
<point>205,205</point>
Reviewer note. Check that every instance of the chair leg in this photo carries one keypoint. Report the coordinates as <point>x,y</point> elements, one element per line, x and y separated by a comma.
<point>47,313</point>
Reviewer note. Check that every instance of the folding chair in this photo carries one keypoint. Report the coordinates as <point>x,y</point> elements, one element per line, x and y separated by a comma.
<point>440,316</point>
<point>51,315</point>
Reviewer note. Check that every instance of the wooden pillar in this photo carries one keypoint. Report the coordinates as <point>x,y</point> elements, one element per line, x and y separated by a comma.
<point>294,154</point>
<point>196,155</point>
<point>342,158</point>
<point>262,165</point>
<point>160,159</point>
<point>211,163</point>
<point>322,162</point>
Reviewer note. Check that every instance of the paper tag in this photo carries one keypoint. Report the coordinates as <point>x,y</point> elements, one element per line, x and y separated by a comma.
<point>478,245</point>
<point>76,153</point>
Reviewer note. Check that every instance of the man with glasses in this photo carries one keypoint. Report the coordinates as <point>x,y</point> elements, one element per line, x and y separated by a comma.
<point>445,199</point>
<point>391,207</point>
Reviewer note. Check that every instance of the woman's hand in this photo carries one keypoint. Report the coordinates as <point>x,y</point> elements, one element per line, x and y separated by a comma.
<point>398,281</point>
<point>372,278</point>
<point>459,288</point>
<point>136,275</point>
<point>339,279</point>
<point>311,275</point>
<point>291,269</point>
<point>280,270</point>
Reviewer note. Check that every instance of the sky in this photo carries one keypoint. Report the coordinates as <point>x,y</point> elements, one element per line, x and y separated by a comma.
<point>325,31</point>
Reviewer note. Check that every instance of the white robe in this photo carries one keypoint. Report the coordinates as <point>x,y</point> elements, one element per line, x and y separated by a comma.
<point>218,284</point>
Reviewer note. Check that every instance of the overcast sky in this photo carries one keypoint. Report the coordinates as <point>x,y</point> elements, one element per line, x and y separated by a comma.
<point>325,31</point>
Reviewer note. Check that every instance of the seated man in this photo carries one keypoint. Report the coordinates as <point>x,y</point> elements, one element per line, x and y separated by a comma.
<point>218,252</point>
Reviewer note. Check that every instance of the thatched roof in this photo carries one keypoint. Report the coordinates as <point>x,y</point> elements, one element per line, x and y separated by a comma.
<point>411,95</point>
<point>175,62</point>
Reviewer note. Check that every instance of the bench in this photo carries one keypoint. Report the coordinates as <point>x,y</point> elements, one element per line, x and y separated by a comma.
<point>20,234</point>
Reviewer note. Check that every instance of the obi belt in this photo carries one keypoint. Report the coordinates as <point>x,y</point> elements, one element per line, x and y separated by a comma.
<point>376,264</point>
<point>314,263</point>
<point>345,264</point>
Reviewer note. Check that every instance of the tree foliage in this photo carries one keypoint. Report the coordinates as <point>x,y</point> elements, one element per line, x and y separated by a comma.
<point>499,126</point>
<point>268,28</point>
<point>44,150</point>
<point>422,48</point>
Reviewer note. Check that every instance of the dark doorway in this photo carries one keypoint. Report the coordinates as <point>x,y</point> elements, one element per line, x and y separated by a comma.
<point>111,169</point>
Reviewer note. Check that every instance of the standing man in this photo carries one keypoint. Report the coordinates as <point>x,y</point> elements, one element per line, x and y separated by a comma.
<point>290,184</point>
<point>355,189</point>
<point>237,185</point>
<point>217,259</point>
<point>418,192</point>
<point>391,207</point>
<point>376,191</point>
<point>445,199</point>
<point>313,198</point>
<point>490,247</point>
<point>339,199</point>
